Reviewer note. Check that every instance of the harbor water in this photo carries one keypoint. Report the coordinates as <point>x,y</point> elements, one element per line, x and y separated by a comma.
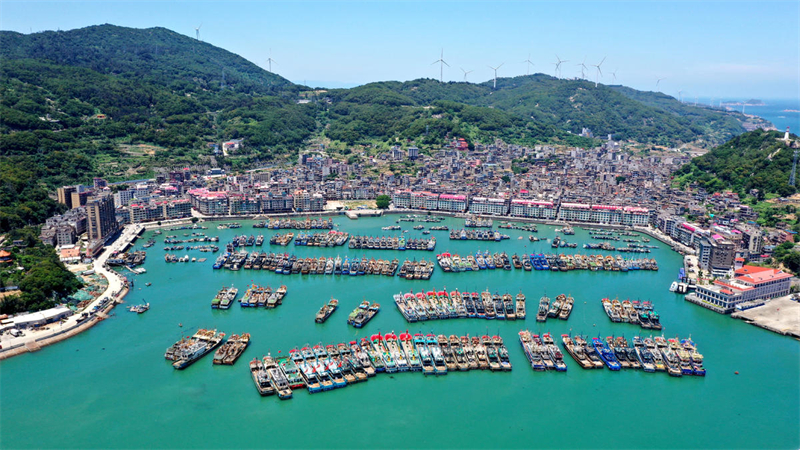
<point>110,387</point>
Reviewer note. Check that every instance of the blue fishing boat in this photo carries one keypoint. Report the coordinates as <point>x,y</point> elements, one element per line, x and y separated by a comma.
<point>605,354</point>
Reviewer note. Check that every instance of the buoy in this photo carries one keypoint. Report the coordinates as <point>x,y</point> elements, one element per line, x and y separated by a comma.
<point>737,372</point>
<point>180,324</point>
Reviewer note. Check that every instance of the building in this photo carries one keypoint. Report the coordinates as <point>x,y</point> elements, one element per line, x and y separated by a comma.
<point>276,203</point>
<point>124,197</point>
<point>749,283</point>
<point>65,195</point>
<point>413,153</point>
<point>487,205</point>
<point>402,199</point>
<point>207,202</point>
<point>424,200</point>
<point>452,203</point>
<point>64,229</point>
<point>101,218</point>
<point>575,212</point>
<point>240,204</point>
<point>533,208</point>
<point>80,198</point>
<point>715,254</point>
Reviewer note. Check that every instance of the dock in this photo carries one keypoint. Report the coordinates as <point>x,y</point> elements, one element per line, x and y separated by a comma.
<point>355,214</point>
<point>780,315</point>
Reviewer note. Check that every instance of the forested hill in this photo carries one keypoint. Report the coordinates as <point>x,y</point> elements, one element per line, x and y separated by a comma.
<point>566,105</point>
<point>754,160</point>
<point>154,55</point>
<point>115,102</point>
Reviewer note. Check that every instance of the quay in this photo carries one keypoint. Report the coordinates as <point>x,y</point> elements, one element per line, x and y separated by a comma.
<point>780,315</point>
<point>95,312</point>
<point>355,214</point>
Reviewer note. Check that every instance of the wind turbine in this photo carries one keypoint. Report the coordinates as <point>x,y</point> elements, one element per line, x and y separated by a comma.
<point>659,81</point>
<point>614,73</point>
<point>530,63</point>
<point>495,74</point>
<point>270,60</point>
<point>583,68</point>
<point>599,72</point>
<point>680,96</point>
<point>442,63</point>
<point>465,72</point>
<point>197,31</point>
<point>558,66</point>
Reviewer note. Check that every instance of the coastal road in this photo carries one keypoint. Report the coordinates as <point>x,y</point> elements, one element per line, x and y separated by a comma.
<point>115,284</point>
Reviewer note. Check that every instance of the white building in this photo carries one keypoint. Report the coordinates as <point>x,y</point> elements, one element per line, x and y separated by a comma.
<point>533,208</point>
<point>488,205</point>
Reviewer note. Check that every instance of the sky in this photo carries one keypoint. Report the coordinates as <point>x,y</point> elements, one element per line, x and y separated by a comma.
<point>738,49</point>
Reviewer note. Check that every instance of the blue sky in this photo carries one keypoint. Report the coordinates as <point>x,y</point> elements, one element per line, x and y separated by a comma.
<point>707,49</point>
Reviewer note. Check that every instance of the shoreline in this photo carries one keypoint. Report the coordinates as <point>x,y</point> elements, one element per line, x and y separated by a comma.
<point>114,294</point>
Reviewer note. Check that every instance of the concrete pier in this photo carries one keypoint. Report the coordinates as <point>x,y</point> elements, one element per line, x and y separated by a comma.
<point>780,315</point>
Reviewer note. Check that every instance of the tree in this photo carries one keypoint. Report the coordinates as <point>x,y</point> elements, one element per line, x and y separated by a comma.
<point>382,201</point>
<point>505,179</point>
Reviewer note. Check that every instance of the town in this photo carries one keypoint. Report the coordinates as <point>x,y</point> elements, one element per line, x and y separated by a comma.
<point>608,185</point>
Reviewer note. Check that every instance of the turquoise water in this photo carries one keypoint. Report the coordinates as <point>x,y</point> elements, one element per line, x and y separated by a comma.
<point>110,387</point>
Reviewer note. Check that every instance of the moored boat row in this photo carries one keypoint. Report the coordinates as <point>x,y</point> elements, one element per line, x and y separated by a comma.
<point>391,243</point>
<point>635,312</point>
<point>439,304</point>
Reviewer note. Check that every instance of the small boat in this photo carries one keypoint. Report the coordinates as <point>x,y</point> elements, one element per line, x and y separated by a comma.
<point>326,310</point>
<point>140,308</point>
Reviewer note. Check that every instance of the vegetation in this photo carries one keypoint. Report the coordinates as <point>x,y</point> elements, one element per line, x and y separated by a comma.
<point>754,160</point>
<point>382,201</point>
<point>23,201</point>
<point>43,280</point>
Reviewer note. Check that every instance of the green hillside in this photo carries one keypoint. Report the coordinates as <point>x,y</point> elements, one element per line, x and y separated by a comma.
<point>115,102</point>
<point>754,160</point>
<point>566,106</point>
<point>152,55</point>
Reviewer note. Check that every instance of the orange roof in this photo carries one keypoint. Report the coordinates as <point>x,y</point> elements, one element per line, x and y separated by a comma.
<point>758,275</point>
<point>4,254</point>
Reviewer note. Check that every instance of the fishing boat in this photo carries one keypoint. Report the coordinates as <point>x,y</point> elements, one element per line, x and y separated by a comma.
<point>260,377</point>
<point>605,354</point>
<point>277,378</point>
<point>188,350</point>
<point>520,305</point>
<point>140,309</point>
<point>544,306</point>
<point>232,349</point>
<point>326,310</point>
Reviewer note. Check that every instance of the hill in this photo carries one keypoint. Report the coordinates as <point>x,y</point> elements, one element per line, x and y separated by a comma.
<point>153,55</point>
<point>567,106</point>
<point>753,160</point>
<point>114,102</point>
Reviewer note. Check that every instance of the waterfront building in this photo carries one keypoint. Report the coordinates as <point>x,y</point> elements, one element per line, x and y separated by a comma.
<point>533,208</point>
<point>276,203</point>
<point>101,218</point>
<point>488,205</point>
<point>209,202</point>
<point>240,204</point>
<point>402,199</point>
<point>575,212</point>
<point>424,200</point>
<point>749,283</point>
<point>452,203</point>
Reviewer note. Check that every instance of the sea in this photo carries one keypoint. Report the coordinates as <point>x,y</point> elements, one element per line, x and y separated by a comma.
<point>110,387</point>
<point>782,113</point>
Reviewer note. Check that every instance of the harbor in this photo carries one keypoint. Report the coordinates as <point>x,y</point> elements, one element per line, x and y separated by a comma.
<point>179,299</point>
